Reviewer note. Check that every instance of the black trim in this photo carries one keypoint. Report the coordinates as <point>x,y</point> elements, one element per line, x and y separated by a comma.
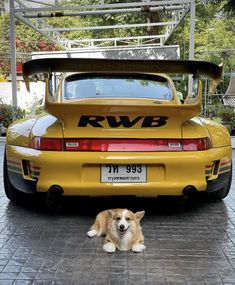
<point>21,184</point>
<point>81,76</point>
<point>47,65</point>
<point>217,184</point>
<point>225,168</point>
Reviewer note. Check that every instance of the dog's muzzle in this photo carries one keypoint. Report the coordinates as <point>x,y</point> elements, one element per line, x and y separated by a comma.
<point>122,230</point>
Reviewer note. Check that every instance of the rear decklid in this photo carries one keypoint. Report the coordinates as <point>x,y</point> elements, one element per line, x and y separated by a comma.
<point>100,118</point>
<point>126,118</point>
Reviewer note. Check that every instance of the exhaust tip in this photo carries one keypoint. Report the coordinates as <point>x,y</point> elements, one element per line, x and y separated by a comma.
<point>190,191</point>
<point>53,197</point>
<point>55,190</point>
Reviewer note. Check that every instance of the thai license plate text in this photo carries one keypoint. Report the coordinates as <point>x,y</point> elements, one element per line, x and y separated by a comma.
<point>126,173</point>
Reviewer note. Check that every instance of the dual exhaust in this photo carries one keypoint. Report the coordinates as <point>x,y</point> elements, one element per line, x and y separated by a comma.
<point>55,193</point>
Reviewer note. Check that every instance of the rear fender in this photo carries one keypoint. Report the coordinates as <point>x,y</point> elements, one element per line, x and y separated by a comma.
<point>47,126</point>
<point>18,133</point>
<point>219,134</point>
<point>194,128</point>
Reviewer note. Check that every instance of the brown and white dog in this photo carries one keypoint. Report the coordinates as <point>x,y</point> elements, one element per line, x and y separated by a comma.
<point>121,228</point>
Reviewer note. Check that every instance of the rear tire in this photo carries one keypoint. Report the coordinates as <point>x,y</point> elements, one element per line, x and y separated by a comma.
<point>11,192</point>
<point>222,192</point>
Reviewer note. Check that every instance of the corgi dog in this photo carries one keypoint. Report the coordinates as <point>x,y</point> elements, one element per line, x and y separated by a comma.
<point>121,228</point>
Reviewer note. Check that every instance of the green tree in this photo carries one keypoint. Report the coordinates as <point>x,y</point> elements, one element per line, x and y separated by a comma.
<point>214,36</point>
<point>27,41</point>
<point>228,6</point>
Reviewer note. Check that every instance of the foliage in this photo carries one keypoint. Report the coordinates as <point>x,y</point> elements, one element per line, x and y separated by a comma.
<point>214,35</point>
<point>104,20</point>
<point>27,41</point>
<point>226,114</point>
<point>228,6</point>
<point>6,114</point>
<point>222,114</point>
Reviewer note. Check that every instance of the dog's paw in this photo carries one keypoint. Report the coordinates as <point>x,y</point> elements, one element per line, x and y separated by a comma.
<point>92,233</point>
<point>138,247</point>
<point>109,247</point>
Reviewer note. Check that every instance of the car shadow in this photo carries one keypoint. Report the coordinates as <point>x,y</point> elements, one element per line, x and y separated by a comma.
<point>90,206</point>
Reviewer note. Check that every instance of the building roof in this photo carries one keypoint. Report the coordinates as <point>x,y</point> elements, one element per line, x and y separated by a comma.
<point>229,97</point>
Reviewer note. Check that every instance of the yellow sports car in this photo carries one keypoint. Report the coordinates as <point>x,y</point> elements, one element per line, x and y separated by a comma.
<point>117,127</point>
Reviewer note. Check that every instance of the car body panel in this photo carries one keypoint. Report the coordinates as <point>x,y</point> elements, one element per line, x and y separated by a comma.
<point>19,132</point>
<point>219,134</point>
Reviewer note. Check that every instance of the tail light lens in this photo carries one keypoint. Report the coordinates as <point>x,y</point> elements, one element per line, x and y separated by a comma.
<point>196,144</point>
<point>51,144</point>
<point>124,145</point>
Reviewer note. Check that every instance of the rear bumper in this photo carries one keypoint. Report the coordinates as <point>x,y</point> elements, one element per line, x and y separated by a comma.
<point>78,173</point>
<point>218,183</point>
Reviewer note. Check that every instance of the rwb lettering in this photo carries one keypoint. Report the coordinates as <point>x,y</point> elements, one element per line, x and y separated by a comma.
<point>122,121</point>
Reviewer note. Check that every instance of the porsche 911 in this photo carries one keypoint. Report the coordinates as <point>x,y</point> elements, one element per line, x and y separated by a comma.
<point>118,127</point>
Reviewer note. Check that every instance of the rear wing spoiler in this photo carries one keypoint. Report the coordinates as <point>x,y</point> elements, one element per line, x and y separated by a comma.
<point>190,108</point>
<point>196,68</point>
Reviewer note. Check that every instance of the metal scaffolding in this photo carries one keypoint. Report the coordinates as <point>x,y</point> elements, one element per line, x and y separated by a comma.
<point>35,13</point>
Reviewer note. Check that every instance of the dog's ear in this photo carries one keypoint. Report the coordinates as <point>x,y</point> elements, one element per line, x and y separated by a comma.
<point>139,215</point>
<point>110,212</point>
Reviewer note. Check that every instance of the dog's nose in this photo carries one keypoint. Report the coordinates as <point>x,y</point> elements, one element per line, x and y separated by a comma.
<point>121,227</point>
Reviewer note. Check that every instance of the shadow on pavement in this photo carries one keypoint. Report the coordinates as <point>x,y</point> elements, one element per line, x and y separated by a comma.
<point>91,206</point>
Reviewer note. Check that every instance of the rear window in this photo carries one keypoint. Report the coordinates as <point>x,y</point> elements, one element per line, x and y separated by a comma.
<point>116,86</point>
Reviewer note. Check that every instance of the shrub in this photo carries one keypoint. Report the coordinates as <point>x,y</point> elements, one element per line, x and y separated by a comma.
<point>6,114</point>
<point>227,114</point>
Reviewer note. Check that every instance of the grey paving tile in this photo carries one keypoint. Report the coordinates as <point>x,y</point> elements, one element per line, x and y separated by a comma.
<point>62,278</point>
<point>26,275</point>
<point>213,280</point>
<point>23,282</point>
<point>8,275</point>
<point>155,278</point>
<point>3,261</point>
<point>16,261</point>
<point>12,268</point>
<point>175,279</point>
<point>6,282</point>
<point>42,282</point>
<point>45,275</point>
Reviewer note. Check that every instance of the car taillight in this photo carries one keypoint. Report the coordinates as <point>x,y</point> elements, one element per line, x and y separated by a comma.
<point>137,144</point>
<point>52,144</point>
<point>196,144</point>
<point>124,145</point>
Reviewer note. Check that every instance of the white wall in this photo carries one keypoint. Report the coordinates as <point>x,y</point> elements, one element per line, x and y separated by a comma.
<point>150,52</point>
<point>25,100</point>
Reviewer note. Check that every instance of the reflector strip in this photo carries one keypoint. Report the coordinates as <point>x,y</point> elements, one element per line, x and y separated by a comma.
<point>209,169</point>
<point>225,163</point>
<point>14,165</point>
<point>225,166</point>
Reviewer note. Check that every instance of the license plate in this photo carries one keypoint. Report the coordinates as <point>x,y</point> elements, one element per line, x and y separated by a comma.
<point>126,173</point>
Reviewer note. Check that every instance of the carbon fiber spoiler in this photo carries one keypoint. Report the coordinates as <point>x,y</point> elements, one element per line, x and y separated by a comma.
<point>46,65</point>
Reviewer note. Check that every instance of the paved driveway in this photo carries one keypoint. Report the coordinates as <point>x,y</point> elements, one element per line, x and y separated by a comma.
<point>188,242</point>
